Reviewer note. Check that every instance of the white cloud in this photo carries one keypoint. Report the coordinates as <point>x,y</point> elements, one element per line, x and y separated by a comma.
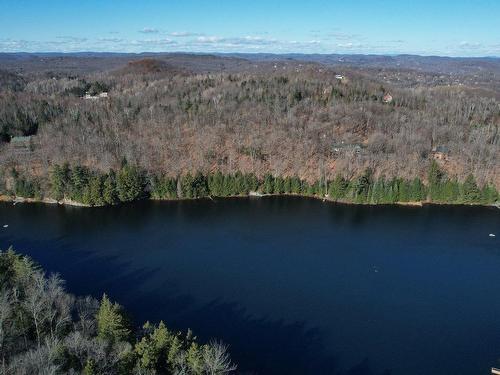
<point>183,34</point>
<point>149,30</point>
<point>469,45</point>
<point>341,36</point>
<point>74,39</point>
<point>146,43</point>
<point>208,39</point>
<point>110,40</point>
<point>349,45</point>
<point>195,42</point>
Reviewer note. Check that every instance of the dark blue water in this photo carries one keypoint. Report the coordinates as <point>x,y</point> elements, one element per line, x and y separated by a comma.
<point>295,286</point>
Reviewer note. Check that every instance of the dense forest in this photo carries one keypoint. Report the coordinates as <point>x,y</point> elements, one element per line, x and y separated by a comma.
<point>280,121</point>
<point>129,183</point>
<point>45,330</point>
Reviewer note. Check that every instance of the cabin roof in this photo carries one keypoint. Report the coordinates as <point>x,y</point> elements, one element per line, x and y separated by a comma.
<point>20,139</point>
<point>441,149</point>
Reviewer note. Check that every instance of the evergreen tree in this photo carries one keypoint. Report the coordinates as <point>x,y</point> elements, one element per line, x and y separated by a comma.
<point>450,191</point>
<point>199,187</point>
<point>130,184</point>
<point>435,177</point>
<point>216,184</point>
<point>360,187</point>
<point>112,324</point>
<point>59,178</point>
<point>378,191</point>
<point>470,191</point>
<point>268,187</point>
<point>229,187</point>
<point>489,194</point>
<point>295,185</point>
<point>90,368</point>
<point>239,184</point>
<point>96,191</point>
<point>109,193</point>
<point>187,186</point>
<point>391,191</point>
<point>152,349</point>
<point>309,189</point>
<point>404,190</point>
<point>251,182</point>
<point>287,187</point>
<point>338,188</point>
<point>194,359</point>
<point>279,185</point>
<point>417,190</point>
<point>78,181</point>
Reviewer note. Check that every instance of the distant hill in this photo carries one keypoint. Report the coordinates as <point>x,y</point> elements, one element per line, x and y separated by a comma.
<point>87,62</point>
<point>149,66</point>
<point>431,64</point>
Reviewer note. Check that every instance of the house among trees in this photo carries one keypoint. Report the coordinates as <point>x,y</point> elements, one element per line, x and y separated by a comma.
<point>21,144</point>
<point>342,147</point>
<point>387,98</point>
<point>95,97</point>
<point>340,77</point>
<point>440,153</point>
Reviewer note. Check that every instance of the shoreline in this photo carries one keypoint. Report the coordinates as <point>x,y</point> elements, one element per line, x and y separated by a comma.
<point>64,202</point>
<point>253,195</point>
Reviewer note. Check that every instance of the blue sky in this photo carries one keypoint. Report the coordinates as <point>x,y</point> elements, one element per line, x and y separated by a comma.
<point>427,27</point>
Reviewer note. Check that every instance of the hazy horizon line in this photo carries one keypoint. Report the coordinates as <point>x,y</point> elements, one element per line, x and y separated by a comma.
<point>246,53</point>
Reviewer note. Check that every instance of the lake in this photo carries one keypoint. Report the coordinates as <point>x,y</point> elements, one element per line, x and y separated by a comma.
<point>293,285</point>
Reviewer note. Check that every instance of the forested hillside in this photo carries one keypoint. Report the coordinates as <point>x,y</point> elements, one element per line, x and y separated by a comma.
<point>45,330</point>
<point>284,119</point>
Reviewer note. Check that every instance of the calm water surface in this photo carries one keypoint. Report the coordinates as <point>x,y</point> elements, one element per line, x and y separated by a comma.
<point>295,286</point>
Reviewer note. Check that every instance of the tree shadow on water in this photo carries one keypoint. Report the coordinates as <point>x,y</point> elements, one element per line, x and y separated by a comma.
<point>260,345</point>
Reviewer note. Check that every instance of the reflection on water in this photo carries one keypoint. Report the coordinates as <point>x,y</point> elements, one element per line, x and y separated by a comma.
<point>295,286</point>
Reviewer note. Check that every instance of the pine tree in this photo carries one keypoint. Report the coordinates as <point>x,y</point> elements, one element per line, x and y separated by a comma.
<point>252,183</point>
<point>489,194</point>
<point>338,188</point>
<point>96,191</point>
<point>279,185</point>
<point>288,185</point>
<point>109,193</point>
<point>378,192</point>
<point>187,186</point>
<point>57,182</point>
<point>112,325</point>
<point>360,186</point>
<point>130,183</point>
<point>295,185</point>
<point>417,190</point>
<point>313,189</point>
<point>78,181</point>
<point>450,191</point>
<point>239,183</point>
<point>153,349</point>
<point>268,184</point>
<point>228,186</point>
<point>90,368</point>
<point>404,191</point>
<point>199,186</point>
<point>470,191</point>
<point>194,359</point>
<point>435,176</point>
<point>215,184</point>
